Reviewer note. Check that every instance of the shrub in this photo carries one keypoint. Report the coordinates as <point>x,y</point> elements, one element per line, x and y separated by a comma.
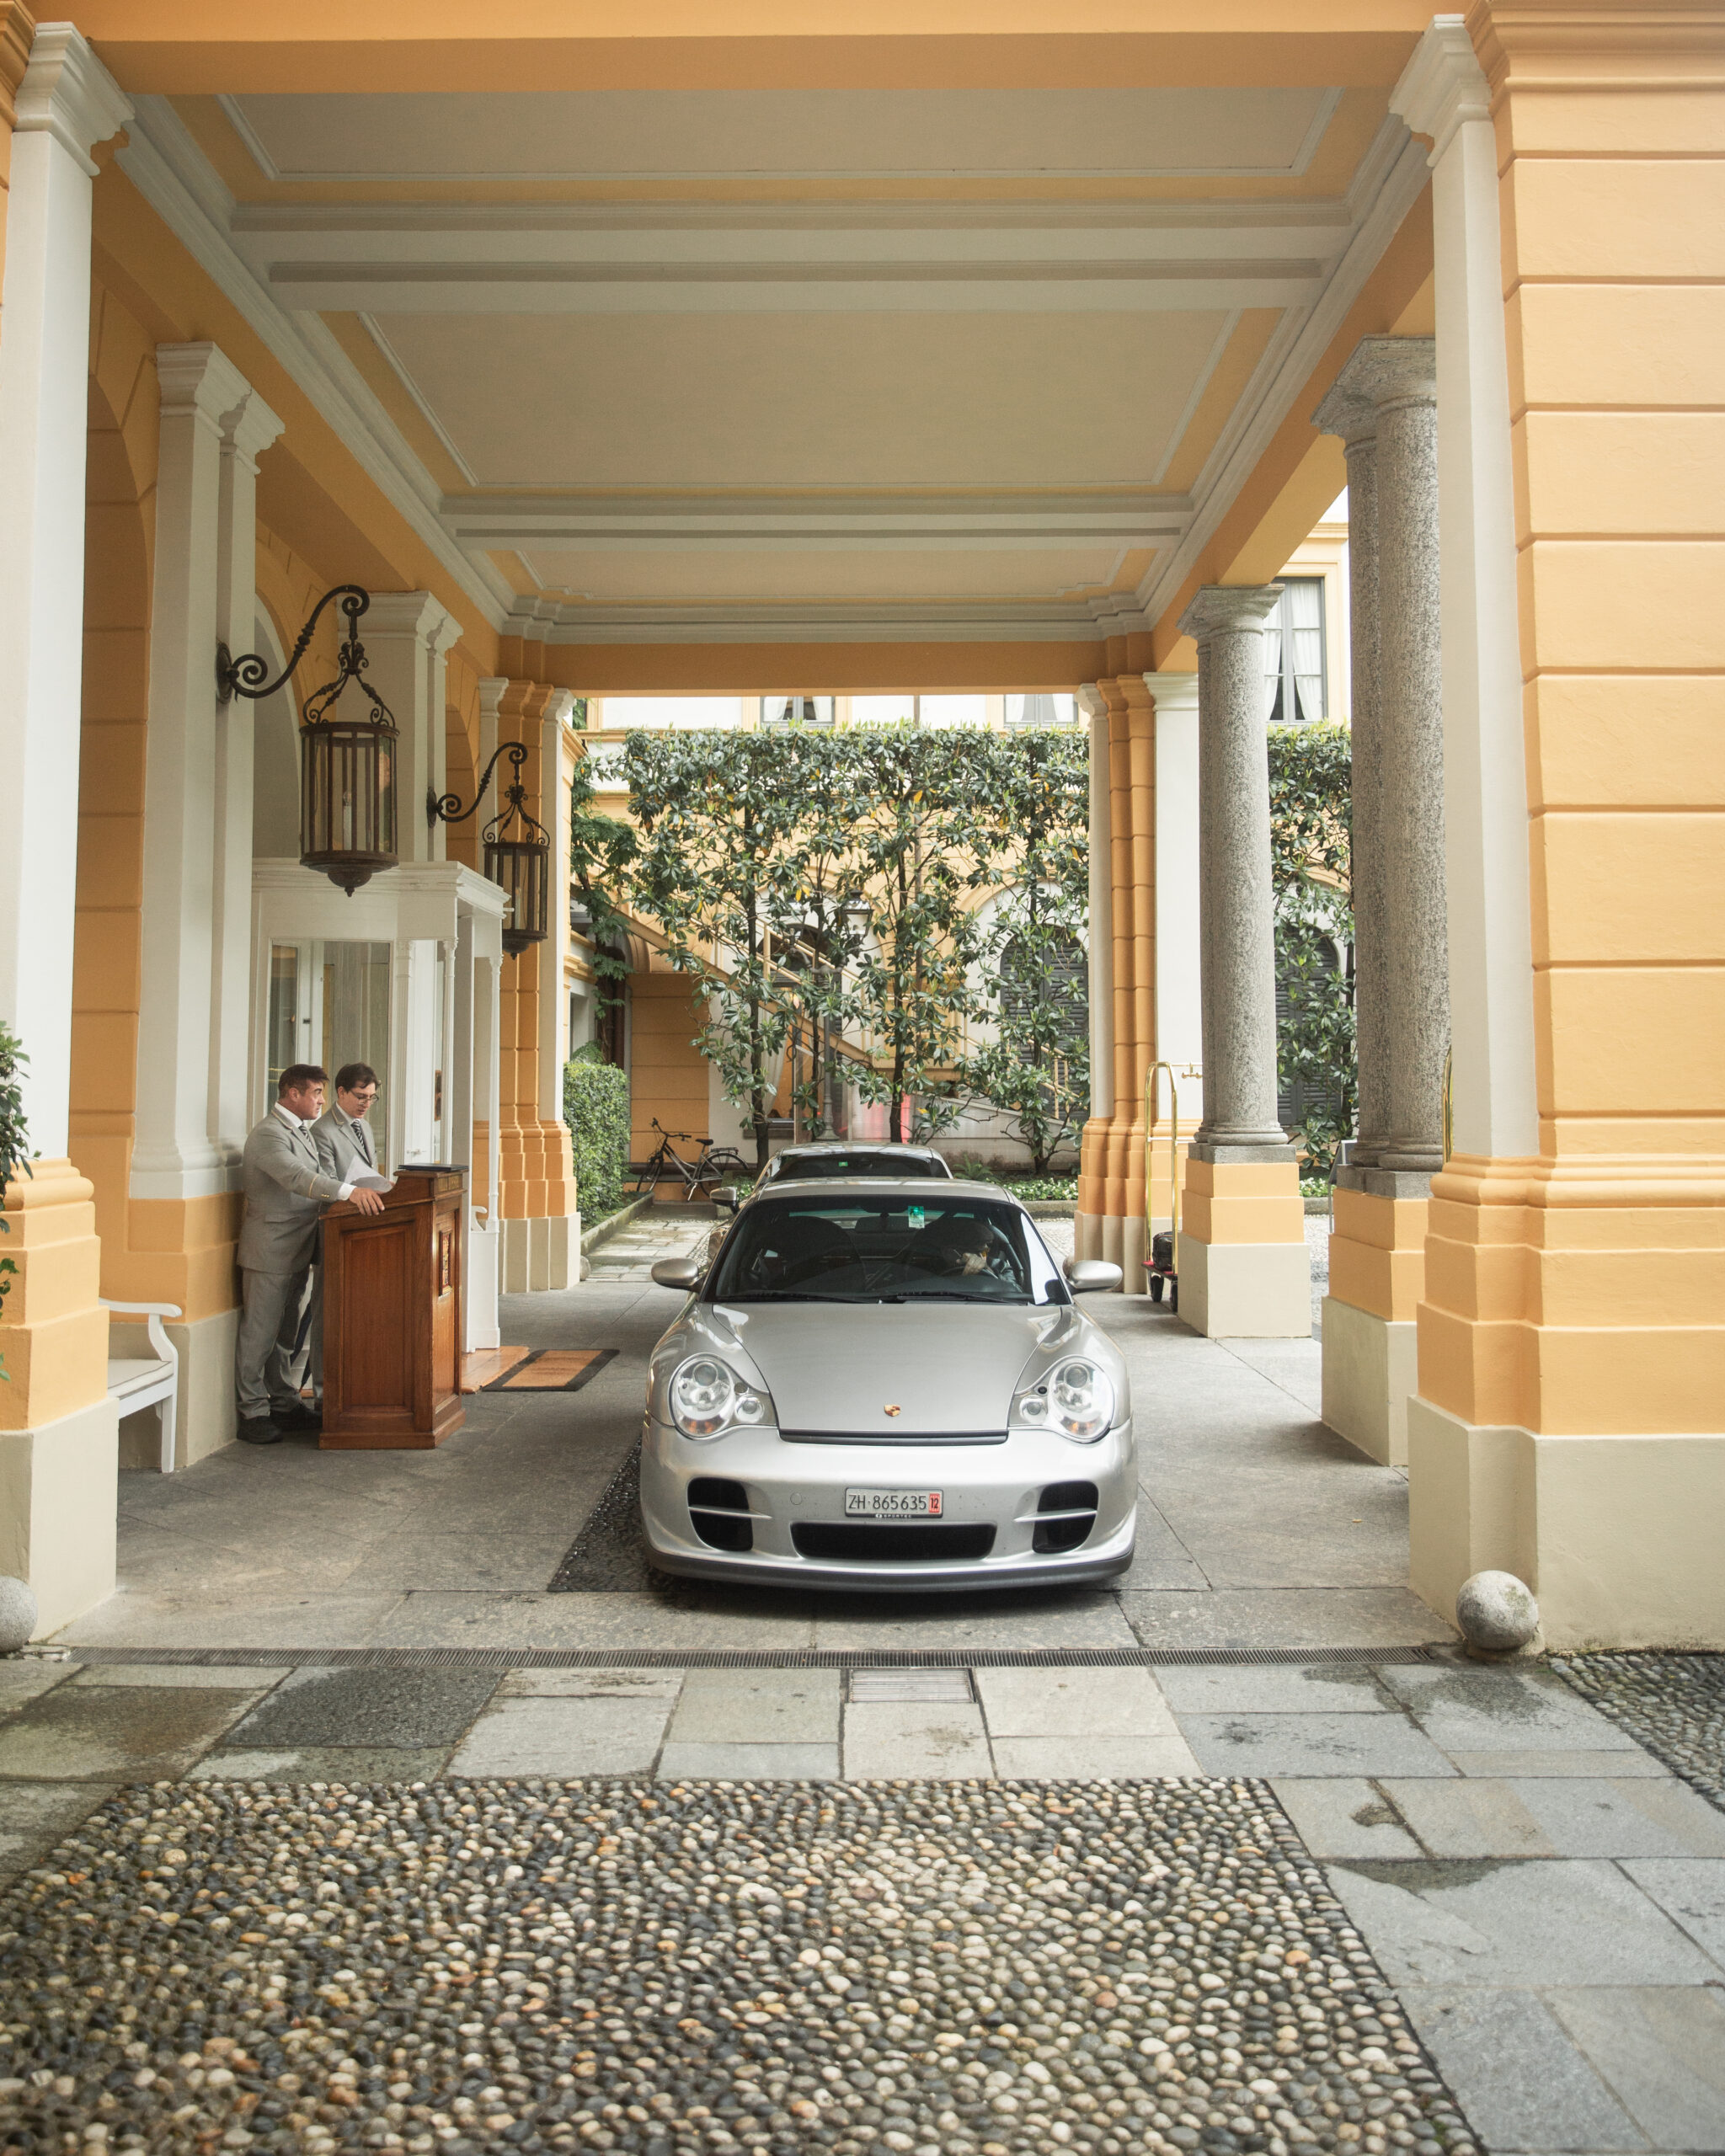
<point>596,1106</point>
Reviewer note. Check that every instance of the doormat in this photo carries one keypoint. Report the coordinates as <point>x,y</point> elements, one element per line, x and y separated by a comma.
<point>609,1556</point>
<point>553,1369</point>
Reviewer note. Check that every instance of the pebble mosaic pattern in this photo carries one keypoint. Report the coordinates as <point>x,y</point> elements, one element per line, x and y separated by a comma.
<point>904,1969</point>
<point>1674,1704</point>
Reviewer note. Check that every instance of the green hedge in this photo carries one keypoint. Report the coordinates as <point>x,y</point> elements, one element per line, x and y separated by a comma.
<point>596,1106</point>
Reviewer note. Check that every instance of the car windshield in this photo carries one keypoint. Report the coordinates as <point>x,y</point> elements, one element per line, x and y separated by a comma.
<point>807,1167</point>
<point>893,1248</point>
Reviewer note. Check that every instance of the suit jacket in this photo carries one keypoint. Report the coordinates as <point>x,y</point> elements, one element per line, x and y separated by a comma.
<point>285,1187</point>
<point>339,1154</point>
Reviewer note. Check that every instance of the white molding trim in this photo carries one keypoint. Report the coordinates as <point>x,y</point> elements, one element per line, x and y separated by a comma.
<point>551,621</point>
<point>69,94</point>
<point>1401,162</point>
<point>166,166</point>
<point>1444,85</point>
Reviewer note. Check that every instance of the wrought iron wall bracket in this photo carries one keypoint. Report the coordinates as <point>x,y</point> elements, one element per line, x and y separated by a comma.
<point>249,676</point>
<point>447,807</point>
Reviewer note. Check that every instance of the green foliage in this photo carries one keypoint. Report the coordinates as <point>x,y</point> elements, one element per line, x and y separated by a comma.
<point>596,1106</point>
<point>1051,1189</point>
<point>1036,811</point>
<point>602,850</point>
<point>1311,863</point>
<point>828,885</point>
<point>14,1137</point>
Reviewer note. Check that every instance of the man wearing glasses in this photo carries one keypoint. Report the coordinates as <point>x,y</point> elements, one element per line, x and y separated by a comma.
<point>345,1143</point>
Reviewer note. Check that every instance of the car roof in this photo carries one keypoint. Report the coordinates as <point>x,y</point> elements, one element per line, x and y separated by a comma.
<point>862,1145</point>
<point>941,1187</point>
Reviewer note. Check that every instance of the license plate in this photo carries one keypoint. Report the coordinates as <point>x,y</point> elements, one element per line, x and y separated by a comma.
<point>893,1504</point>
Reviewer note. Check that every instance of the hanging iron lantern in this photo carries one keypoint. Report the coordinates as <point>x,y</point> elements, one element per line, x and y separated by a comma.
<point>517,850</point>
<point>347,764</point>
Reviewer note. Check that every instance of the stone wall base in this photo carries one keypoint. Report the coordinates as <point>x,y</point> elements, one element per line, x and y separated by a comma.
<point>59,1501</point>
<point>1246,1291</point>
<point>1617,1536</point>
<point>536,1256</point>
<point>1370,1368</point>
<point>206,1407</point>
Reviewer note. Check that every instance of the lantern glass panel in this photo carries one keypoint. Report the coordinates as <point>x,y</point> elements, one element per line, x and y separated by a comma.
<point>520,867</point>
<point>347,801</point>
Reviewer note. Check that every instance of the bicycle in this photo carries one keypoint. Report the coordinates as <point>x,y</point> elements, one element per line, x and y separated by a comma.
<point>711,1164</point>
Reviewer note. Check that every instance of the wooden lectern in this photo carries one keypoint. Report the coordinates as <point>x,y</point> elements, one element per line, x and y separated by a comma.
<point>393,1316</point>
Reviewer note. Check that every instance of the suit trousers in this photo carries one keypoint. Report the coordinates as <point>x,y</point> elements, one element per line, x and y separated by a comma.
<point>269,1363</point>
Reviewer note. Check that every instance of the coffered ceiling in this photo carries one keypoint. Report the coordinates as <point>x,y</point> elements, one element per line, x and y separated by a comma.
<point>767,364</point>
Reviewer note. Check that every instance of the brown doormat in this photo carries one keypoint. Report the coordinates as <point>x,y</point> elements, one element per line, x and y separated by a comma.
<point>480,1365</point>
<point>553,1369</point>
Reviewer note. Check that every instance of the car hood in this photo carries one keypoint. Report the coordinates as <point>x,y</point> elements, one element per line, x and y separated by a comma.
<point>948,1367</point>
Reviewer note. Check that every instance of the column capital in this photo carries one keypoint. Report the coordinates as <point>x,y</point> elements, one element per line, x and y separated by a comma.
<point>17,26</point>
<point>200,380</point>
<point>1172,691</point>
<point>1089,699</point>
<point>1229,609</point>
<point>1444,85</point>
<point>69,94</point>
<point>1382,372</point>
<point>1347,414</point>
<point>412,614</point>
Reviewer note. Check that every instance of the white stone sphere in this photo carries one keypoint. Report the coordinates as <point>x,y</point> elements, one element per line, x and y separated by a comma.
<point>17,1615</point>
<point>1496,1613</point>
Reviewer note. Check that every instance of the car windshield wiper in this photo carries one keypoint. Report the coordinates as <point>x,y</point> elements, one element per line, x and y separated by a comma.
<point>949,1295</point>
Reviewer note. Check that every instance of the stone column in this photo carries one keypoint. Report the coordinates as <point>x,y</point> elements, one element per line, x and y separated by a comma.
<point>1092,1171</point>
<point>1382,406</point>
<point>1179,963</point>
<point>1243,1267</point>
<point>58,1430</point>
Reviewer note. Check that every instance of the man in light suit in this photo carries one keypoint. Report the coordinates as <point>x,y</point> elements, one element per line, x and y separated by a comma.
<point>345,1143</point>
<point>285,1190</point>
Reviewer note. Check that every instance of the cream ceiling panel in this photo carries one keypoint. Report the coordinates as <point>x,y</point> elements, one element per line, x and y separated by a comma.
<point>807,400</point>
<point>621,134</point>
<point>801,576</point>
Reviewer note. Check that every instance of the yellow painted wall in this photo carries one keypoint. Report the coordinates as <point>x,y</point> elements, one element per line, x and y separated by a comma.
<point>667,1072</point>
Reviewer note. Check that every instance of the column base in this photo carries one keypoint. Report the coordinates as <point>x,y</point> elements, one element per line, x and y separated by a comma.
<point>1246,1291</point>
<point>542,1255</point>
<point>59,1500</point>
<point>484,1270</point>
<point>207,1409</point>
<point>1370,1368</point>
<point>1617,1535</point>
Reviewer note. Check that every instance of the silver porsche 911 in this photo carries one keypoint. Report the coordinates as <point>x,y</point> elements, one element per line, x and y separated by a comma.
<point>888,1384</point>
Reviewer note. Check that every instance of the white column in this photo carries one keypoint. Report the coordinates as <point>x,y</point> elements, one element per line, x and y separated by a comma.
<point>246,434</point>
<point>408,636</point>
<point>554,814</point>
<point>66,103</point>
<point>197,782</point>
<point>1179,973</point>
<point>1443,94</point>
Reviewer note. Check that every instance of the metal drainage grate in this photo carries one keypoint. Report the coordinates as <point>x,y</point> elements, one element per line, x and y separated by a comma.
<point>944,1688</point>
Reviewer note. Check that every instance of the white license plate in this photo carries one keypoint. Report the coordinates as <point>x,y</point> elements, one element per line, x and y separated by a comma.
<point>893,1504</point>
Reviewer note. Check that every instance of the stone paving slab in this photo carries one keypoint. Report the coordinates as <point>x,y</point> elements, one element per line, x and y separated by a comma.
<point>1691,1892</point>
<point>1347,1817</point>
<point>169,1676</point>
<point>1525,1710</point>
<point>1662,2052</point>
<point>352,1764</point>
<point>1555,1766</point>
<point>888,1742</point>
<point>776,1706</point>
<point>1100,1759</point>
<point>115,1734</point>
<point>564,1737</point>
<point>1296,1744</point>
<point>33,1816</point>
<point>784,1761</point>
<point>1307,1687</point>
<point>391,1707</point>
<point>1517,1924</point>
<point>1083,1703</point>
<point>1523,2081</point>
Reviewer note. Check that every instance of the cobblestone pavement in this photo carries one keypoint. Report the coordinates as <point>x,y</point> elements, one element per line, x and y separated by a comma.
<point>485,1897</point>
<point>1674,1704</point>
<point>929,1967</point>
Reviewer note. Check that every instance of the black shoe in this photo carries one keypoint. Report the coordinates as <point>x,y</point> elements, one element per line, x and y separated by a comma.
<point>297,1416</point>
<point>258,1430</point>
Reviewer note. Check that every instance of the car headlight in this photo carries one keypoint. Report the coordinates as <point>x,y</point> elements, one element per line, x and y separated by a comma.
<point>1074,1398</point>
<point>706,1398</point>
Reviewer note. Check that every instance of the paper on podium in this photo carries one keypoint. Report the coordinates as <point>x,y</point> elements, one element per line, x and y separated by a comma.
<point>369,1179</point>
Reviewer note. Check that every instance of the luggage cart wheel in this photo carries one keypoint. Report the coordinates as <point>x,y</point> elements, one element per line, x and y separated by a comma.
<point>1155,1287</point>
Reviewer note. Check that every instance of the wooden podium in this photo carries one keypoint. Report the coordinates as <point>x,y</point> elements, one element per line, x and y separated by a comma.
<point>393,1316</point>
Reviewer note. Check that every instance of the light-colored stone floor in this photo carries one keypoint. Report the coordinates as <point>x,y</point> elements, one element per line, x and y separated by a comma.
<point>1257,1526</point>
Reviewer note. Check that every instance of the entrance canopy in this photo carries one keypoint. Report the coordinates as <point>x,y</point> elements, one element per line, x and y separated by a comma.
<point>668,342</point>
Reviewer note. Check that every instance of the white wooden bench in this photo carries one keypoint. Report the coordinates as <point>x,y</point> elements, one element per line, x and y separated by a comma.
<point>152,1380</point>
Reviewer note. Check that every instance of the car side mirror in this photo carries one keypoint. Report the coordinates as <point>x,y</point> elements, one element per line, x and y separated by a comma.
<point>725,1200</point>
<point>680,1272</point>
<point>1085,1276</point>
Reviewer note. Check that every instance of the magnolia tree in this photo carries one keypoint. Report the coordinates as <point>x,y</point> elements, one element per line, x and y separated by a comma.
<point>831,886</point>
